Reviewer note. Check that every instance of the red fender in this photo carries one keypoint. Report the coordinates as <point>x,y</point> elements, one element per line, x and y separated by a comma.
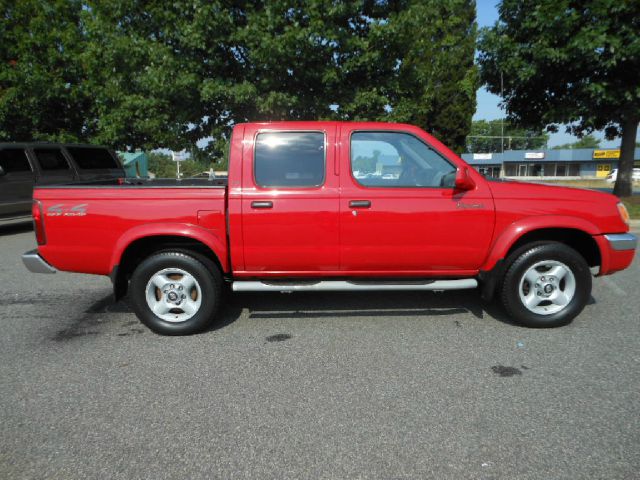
<point>210,238</point>
<point>516,230</point>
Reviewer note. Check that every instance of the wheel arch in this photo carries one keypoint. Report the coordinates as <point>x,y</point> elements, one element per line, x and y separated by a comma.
<point>579,240</point>
<point>134,248</point>
<point>575,233</point>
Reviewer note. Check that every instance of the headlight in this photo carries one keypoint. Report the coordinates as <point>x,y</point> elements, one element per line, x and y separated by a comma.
<point>624,214</point>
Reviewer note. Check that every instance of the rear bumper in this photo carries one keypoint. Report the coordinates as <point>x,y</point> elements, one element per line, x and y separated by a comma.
<point>35,263</point>
<point>617,251</point>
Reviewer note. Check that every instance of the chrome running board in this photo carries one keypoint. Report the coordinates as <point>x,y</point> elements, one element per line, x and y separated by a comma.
<point>351,285</point>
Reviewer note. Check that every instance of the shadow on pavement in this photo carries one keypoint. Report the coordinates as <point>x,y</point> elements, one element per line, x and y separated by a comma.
<point>17,228</point>
<point>303,306</point>
<point>364,304</point>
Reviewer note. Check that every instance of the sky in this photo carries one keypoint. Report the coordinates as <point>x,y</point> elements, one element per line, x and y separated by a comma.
<point>488,104</point>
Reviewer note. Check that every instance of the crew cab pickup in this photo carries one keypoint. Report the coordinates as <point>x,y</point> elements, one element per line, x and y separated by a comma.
<point>317,206</point>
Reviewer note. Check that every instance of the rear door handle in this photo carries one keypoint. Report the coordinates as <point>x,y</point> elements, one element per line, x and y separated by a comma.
<point>261,204</point>
<point>360,204</point>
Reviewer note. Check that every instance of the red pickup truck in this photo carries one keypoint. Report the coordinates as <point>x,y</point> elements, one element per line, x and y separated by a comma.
<point>317,206</point>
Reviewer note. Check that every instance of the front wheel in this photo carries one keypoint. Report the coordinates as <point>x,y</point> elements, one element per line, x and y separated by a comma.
<point>174,293</point>
<point>547,285</point>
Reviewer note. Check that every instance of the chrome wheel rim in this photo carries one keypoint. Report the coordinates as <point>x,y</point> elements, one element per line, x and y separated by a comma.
<point>173,295</point>
<point>547,287</point>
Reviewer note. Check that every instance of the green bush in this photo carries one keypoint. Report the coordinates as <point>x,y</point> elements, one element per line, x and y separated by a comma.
<point>162,166</point>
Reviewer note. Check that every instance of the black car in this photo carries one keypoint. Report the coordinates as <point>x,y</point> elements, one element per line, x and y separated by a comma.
<point>23,165</point>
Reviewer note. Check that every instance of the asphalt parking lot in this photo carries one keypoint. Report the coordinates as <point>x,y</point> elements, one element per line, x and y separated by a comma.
<point>318,386</point>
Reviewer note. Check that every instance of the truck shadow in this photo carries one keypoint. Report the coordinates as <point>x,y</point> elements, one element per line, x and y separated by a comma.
<point>305,306</point>
<point>360,304</point>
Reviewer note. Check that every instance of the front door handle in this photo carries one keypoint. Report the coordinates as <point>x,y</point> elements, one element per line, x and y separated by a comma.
<point>262,204</point>
<point>360,204</point>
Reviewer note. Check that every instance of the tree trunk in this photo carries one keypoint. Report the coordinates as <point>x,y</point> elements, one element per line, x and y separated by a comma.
<point>623,187</point>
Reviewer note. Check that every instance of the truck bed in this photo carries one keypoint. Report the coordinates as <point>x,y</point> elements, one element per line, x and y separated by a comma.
<point>89,224</point>
<point>143,182</point>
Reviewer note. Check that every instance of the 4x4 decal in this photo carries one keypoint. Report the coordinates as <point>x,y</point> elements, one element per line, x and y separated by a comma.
<point>59,210</point>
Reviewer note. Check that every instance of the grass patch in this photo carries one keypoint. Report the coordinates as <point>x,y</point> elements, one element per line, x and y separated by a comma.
<point>578,183</point>
<point>633,205</point>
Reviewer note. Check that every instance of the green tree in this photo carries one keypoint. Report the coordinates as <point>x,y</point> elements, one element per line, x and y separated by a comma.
<point>162,166</point>
<point>366,164</point>
<point>434,78</point>
<point>141,71</point>
<point>588,141</point>
<point>169,74</point>
<point>43,94</point>
<point>485,137</point>
<point>567,62</point>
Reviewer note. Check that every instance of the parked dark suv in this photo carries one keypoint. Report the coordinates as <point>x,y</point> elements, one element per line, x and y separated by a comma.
<point>23,165</point>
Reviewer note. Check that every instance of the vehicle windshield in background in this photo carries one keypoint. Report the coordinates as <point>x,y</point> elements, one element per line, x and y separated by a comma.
<point>92,158</point>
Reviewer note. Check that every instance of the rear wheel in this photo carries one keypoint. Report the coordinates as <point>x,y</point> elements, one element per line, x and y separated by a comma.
<point>174,293</point>
<point>546,285</point>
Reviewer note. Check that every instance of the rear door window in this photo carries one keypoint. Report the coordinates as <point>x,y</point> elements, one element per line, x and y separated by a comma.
<point>289,159</point>
<point>14,160</point>
<point>51,159</point>
<point>92,158</point>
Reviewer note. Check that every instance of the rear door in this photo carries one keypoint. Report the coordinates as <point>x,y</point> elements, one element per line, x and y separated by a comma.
<point>16,185</point>
<point>289,201</point>
<point>53,167</point>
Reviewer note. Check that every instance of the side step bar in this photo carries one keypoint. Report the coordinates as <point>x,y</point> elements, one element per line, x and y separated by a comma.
<point>351,286</point>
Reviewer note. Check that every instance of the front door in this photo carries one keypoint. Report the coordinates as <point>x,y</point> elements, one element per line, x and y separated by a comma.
<point>399,212</point>
<point>522,170</point>
<point>290,202</point>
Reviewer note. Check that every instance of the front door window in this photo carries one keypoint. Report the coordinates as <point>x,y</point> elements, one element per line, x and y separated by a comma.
<point>396,159</point>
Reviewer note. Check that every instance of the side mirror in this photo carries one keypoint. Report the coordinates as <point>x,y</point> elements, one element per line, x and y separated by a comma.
<point>2,172</point>
<point>463,179</point>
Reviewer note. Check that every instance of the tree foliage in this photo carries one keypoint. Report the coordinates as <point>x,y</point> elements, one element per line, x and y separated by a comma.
<point>162,166</point>
<point>588,141</point>
<point>485,137</point>
<point>152,74</point>
<point>568,62</point>
<point>43,94</point>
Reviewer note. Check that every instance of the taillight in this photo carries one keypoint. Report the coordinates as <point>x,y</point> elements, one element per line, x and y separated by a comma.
<point>38,222</point>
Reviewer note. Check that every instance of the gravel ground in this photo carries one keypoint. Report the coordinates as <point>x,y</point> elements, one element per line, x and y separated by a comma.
<point>322,386</point>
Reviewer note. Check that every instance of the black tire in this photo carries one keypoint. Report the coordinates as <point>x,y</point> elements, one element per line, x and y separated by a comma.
<point>575,284</point>
<point>207,291</point>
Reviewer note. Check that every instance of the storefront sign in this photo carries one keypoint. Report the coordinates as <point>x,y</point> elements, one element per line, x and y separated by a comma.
<point>179,156</point>
<point>534,155</point>
<point>606,154</point>
<point>482,156</point>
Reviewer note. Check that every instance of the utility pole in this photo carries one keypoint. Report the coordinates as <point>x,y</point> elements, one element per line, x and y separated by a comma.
<point>502,122</point>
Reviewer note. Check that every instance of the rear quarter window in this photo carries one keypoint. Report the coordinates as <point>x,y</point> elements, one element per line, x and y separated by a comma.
<point>92,158</point>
